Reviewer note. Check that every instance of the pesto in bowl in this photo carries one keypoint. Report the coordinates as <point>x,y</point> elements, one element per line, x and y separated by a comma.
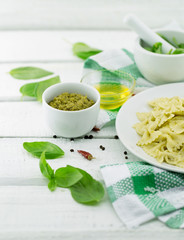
<point>71,102</point>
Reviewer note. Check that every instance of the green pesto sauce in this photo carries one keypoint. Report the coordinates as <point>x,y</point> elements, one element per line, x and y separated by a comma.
<point>71,102</point>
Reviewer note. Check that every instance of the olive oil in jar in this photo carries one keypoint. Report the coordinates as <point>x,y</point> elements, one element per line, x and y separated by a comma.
<point>113,95</point>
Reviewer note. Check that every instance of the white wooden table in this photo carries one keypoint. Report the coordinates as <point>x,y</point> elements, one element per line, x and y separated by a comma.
<point>28,210</point>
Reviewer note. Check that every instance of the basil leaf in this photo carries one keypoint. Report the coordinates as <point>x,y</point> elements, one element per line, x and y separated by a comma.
<point>181,45</point>
<point>178,51</point>
<point>67,176</point>
<point>157,48</point>
<point>52,185</point>
<point>36,89</point>
<point>45,168</point>
<point>175,42</point>
<point>51,150</point>
<point>148,49</point>
<point>87,190</point>
<point>27,73</point>
<point>84,51</point>
<point>170,51</point>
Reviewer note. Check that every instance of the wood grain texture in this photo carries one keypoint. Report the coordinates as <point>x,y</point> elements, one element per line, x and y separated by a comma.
<point>9,87</point>
<point>16,162</point>
<point>82,14</point>
<point>53,46</point>
<point>36,213</point>
<point>30,211</point>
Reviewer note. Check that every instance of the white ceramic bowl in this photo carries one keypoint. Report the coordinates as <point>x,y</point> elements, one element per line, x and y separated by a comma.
<point>71,124</point>
<point>161,68</point>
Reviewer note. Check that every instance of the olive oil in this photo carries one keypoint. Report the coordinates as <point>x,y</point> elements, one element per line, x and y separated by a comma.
<point>113,95</point>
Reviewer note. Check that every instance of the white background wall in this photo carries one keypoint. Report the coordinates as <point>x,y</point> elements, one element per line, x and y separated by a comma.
<point>85,14</point>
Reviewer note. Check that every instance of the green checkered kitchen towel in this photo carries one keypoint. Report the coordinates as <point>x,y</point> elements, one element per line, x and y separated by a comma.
<point>140,192</point>
<point>106,64</point>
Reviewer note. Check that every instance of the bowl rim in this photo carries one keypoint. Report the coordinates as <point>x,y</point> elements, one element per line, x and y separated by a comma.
<point>130,89</point>
<point>70,83</point>
<point>140,48</point>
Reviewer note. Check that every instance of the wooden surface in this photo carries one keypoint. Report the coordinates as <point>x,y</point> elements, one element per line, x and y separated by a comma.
<point>86,14</point>
<point>28,210</point>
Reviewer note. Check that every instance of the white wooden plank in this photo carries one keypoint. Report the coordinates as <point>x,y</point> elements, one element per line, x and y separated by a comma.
<point>36,213</point>
<point>29,210</point>
<point>9,87</point>
<point>25,119</point>
<point>96,14</point>
<point>117,234</point>
<point>45,46</point>
<point>18,167</point>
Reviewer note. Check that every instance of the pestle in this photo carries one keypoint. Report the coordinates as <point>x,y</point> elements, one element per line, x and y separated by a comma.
<point>145,33</point>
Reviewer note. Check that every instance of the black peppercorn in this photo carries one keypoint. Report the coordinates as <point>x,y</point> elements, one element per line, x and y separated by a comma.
<point>116,137</point>
<point>71,150</point>
<point>54,136</point>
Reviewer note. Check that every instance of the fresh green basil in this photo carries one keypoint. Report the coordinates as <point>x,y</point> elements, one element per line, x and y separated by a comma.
<point>67,176</point>
<point>178,51</point>
<point>45,168</point>
<point>84,188</point>
<point>51,150</point>
<point>157,47</point>
<point>52,185</point>
<point>84,51</point>
<point>27,73</point>
<point>87,190</point>
<point>36,89</point>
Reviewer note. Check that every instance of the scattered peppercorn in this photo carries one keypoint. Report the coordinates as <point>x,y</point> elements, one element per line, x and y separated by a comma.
<point>54,136</point>
<point>102,147</point>
<point>90,136</point>
<point>116,137</point>
<point>125,152</point>
<point>71,150</point>
<point>71,139</point>
<point>126,157</point>
<point>86,137</point>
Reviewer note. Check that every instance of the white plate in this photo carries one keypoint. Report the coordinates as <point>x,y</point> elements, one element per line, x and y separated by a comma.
<point>126,118</point>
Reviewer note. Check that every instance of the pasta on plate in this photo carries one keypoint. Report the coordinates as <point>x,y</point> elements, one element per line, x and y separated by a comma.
<point>162,130</point>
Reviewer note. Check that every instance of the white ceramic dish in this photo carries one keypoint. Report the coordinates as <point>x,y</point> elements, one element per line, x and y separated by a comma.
<point>161,68</point>
<point>126,118</point>
<point>71,124</point>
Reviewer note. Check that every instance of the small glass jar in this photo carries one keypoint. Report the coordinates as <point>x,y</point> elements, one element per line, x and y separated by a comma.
<point>114,86</point>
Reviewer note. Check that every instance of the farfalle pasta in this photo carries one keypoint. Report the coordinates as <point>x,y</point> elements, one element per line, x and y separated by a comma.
<point>162,130</point>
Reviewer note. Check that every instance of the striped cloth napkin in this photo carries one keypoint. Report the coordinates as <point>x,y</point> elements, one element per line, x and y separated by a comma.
<point>113,60</point>
<point>140,192</point>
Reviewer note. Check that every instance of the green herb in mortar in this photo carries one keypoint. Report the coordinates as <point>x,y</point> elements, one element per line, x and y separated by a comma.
<point>157,47</point>
<point>71,102</point>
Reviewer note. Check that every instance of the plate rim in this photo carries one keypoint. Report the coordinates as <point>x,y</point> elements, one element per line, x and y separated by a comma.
<point>164,166</point>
